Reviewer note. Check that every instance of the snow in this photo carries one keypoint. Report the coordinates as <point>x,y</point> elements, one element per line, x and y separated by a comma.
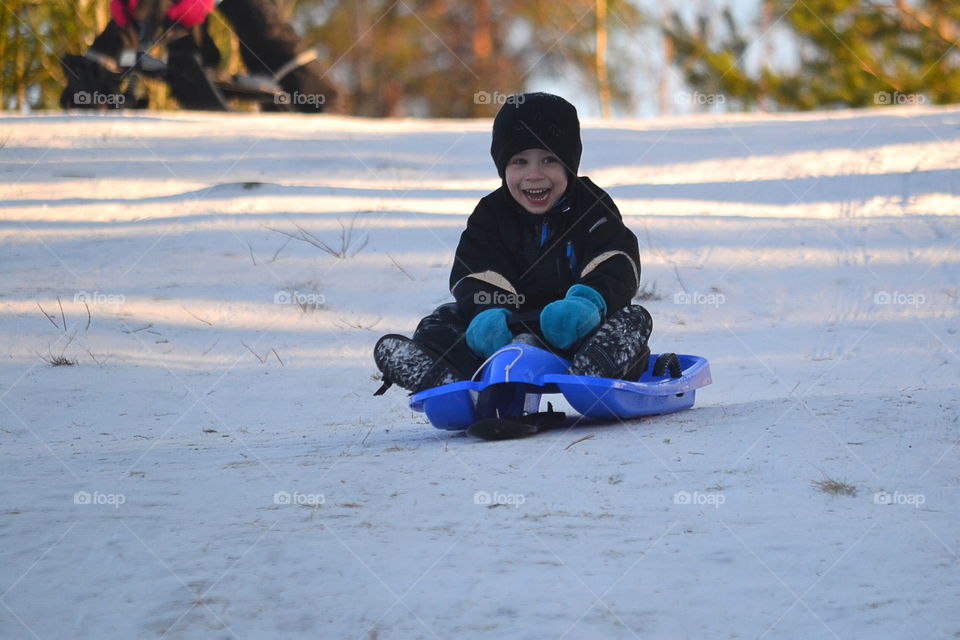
<point>215,465</point>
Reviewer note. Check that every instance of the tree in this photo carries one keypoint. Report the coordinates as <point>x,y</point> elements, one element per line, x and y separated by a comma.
<point>852,53</point>
<point>33,36</point>
<point>393,57</point>
<point>456,59</point>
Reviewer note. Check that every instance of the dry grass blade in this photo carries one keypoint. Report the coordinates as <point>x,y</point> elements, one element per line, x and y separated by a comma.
<point>346,249</point>
<point>62,316</point>
<point>397,265</point>
<point>263,359</point>
<point>835,487</point>
<point>48,316</point>
<point>207,322</point>
<point>276,254</point>
<point>589,437</point>
<point>255,354</point>
<point>60,360</point>
<point>99,362</point>
<point>347,324</point>
<point>644,294</point>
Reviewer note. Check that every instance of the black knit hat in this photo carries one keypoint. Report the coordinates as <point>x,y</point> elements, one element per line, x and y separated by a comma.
<point>536,121</point>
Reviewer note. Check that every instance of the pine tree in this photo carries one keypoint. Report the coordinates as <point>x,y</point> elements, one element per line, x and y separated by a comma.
<point>852,53</point>
<point>34,34</point>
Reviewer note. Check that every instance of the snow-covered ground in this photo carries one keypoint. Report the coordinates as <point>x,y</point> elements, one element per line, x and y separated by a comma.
<point>215,466</point>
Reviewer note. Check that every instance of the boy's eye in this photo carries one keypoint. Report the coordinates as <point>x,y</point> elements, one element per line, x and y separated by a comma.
<point>550,159</point>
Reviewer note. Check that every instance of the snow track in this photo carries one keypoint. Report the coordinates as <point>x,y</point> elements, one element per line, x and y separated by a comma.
<point>214,464</point>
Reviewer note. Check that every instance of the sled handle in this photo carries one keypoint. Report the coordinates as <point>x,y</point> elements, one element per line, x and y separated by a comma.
<point>507,368</point>
<point>667,361</point>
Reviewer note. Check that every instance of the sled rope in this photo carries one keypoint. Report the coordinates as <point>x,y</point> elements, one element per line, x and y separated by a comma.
<point>507,368</point>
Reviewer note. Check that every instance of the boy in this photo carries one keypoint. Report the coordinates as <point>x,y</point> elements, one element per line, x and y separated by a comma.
<point>545,259</point>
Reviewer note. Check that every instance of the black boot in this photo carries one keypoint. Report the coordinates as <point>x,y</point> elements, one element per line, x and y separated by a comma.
<point>93,82</point>
<point>410,365</point>
<point>189,74</point>
<point>618,348</point>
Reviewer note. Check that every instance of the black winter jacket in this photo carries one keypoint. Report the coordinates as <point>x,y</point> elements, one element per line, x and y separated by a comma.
<point>520,261</point>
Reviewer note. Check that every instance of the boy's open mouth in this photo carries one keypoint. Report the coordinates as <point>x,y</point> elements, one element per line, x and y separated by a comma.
<point>537,196</point>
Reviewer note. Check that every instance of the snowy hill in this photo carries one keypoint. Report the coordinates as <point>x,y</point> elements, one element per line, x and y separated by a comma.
<point>214,464</point>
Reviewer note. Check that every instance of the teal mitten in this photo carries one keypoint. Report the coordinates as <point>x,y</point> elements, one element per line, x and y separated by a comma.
<point>488,332</point>
<point>565,322</point>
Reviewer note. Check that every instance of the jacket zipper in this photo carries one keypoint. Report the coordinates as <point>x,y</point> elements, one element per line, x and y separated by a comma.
<point>572,260</point>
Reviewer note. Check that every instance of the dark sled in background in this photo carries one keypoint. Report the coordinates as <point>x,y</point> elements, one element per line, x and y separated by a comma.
<point>194,86</point>
<point>513,380</point>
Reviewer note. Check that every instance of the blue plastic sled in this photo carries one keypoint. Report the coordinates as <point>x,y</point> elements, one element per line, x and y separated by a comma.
<point>513,380</point>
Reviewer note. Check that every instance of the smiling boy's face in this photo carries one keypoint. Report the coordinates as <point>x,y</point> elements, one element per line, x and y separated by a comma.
<point>536,179</point>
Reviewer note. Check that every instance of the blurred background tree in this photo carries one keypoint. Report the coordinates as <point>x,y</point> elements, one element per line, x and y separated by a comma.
<point>33,34</point>
<point>408,58</point>
<point>439,58</point>
<point>460,59</point>
<point>851,53</point>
